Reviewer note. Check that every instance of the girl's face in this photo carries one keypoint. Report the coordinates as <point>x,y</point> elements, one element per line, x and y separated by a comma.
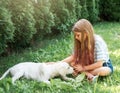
<point>78,36</point>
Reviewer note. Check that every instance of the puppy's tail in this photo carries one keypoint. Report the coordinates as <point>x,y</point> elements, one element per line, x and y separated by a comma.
<point>4,75</point>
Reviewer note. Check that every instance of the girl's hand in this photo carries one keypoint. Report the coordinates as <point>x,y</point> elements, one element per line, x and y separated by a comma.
<point>78,68</point>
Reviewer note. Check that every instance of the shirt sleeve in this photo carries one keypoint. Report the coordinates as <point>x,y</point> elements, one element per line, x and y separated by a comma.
<point>101,50</point>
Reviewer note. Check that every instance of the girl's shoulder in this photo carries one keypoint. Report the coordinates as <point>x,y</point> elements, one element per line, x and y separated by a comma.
<point>99,40</point>
<point>98,37</point>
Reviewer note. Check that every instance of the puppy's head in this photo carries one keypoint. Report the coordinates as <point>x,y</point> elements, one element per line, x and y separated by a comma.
<point>65,68</point>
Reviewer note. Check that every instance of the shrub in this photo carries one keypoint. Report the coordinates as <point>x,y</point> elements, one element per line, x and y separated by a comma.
<point>72,7</point>
<point>64,14</point>
<point>84,10</point>
<point>90,10</point>
<point>6,27</point>
<point>24,22</point>
<point>93,10</point>
<point>44,18</point>
<point>78,9</point>
<point>109,10</point>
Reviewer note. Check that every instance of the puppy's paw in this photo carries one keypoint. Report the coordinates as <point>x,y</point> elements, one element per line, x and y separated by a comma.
<point>70,79</point>
<point>47,82</point>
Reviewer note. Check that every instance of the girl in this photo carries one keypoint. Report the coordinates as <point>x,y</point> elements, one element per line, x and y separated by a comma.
<point>90,52</point>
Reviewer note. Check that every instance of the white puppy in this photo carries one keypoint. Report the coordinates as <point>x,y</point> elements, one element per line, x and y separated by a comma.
<point>39,71</point>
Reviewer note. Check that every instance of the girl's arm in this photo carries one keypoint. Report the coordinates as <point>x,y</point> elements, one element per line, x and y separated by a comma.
<point>94,65</point>
<point>68,59</point>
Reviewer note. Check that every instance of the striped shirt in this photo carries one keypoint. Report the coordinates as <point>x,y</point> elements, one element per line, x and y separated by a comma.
<point>101,50</point>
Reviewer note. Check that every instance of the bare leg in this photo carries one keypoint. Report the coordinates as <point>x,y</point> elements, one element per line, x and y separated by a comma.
<point>89,75</point>
<point>102,71</point>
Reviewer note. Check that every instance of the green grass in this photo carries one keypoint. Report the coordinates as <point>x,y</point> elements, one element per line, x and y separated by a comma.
<point>55,49</point>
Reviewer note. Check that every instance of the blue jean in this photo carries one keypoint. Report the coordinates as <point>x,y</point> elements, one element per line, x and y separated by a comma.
<point>108,64</point>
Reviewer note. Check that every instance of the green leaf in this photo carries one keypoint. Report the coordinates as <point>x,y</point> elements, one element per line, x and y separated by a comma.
<point>80,77</point>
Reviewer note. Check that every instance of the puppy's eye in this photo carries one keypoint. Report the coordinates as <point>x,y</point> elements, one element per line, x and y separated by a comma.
<point>68,68</point>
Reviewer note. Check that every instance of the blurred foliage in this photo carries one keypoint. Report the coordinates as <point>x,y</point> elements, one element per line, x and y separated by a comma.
<point>109,10</point>
<point>23,20</point>
<point>6,26</point>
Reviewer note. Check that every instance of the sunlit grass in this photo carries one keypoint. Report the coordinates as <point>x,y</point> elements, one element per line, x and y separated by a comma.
<point>112,89</point>
<point>115,53</point>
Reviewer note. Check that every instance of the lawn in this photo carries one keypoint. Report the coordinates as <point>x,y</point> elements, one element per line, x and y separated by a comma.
<point>55,49</point>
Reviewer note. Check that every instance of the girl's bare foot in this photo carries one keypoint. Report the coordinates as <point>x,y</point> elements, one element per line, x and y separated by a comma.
<point>91,77</point>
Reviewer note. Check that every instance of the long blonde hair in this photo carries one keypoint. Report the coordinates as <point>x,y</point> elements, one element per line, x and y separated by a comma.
<point>84,49</point>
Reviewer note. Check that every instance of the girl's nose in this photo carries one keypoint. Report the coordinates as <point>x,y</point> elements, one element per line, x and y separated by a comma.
<point>76,37</point>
